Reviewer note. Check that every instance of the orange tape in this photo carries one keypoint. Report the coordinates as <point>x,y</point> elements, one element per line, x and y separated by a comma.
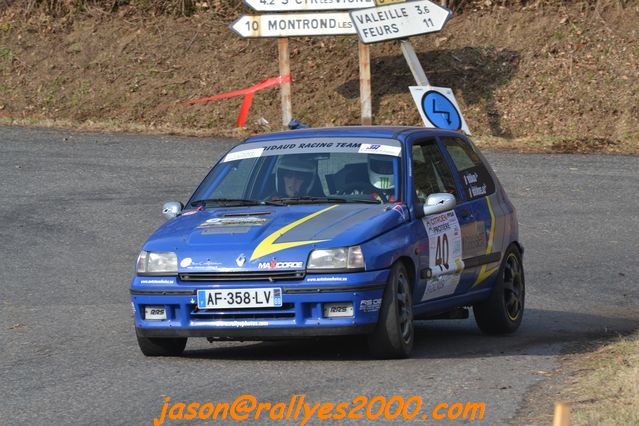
<point>248,96</point>
<point>244,109</point>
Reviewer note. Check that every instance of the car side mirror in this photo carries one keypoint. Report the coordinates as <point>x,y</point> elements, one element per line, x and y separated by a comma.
<point>438,203</point>
<point>172,209</point>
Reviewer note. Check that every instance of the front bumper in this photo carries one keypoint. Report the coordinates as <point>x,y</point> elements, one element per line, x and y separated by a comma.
<point>250,333</point>
<point>301,314</point>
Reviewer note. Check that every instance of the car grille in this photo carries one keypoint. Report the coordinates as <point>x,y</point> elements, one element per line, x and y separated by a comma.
<point>270,276</point>
<point>287,310</point>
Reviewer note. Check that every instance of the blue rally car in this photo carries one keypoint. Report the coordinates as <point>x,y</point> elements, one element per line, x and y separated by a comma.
<point>341,231</point>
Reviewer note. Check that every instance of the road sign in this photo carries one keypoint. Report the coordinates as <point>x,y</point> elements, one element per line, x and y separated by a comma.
<point>438,108</point>
<point>399,20</point>
<point>294,24</point>
<point>385,2</point>
<point>302,5</point>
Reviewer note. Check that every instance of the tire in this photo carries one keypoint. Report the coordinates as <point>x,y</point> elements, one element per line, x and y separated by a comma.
<point>393,336</point>
<point>161,346</point>
<point>503,311</point>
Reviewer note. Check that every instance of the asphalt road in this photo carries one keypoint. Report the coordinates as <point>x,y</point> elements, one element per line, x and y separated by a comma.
<point>76,207</point>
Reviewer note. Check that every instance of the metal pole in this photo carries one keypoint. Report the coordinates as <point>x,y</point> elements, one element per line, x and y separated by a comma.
<point>285,88</point>
<point>365,84</point>
<point>413,63</point>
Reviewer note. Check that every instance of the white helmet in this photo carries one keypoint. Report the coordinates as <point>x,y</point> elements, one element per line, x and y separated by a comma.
<point>299,165</point>
<point>380,171</point>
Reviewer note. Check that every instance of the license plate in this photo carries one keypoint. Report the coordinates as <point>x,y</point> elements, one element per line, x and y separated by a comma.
<point>239,298</point>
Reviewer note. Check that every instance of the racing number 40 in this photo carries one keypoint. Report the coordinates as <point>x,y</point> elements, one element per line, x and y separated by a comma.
<point>442,252</point>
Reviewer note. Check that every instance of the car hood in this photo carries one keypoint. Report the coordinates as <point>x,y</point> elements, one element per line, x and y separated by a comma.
<point>269,237</point>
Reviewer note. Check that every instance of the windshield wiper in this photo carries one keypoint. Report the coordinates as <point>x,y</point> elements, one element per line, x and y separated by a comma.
<point>366,201</point>
<point>308,199</point>
<point>235,202</point>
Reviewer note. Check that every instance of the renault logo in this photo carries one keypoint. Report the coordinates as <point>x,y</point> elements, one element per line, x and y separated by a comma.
<point>241,259</point>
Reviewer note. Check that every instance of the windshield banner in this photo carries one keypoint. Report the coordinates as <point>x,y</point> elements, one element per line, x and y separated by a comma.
<point>315,145</point>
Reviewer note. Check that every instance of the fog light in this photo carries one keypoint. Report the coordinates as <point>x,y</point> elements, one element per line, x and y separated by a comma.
<point>155,313</point>
<point>338,310</point>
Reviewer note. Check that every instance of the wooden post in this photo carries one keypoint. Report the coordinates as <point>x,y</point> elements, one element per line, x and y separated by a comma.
<point>365,84</point>
<point>285,88</point>
<point>413,63</point>
<point>562,414</point>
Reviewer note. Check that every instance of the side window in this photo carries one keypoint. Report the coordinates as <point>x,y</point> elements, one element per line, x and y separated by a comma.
<point>473,173</point>
<point>430,171</point>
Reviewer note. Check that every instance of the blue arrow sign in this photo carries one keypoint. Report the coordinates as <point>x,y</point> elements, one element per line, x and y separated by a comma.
<point>440,111</point>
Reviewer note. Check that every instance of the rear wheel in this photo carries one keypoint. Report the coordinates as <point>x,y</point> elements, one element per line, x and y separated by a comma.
<point>503,311</point>
<point>155,346</point>
<point>393,336</point>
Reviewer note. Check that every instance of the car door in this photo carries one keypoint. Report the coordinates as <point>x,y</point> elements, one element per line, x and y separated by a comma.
<point>440,248</point>
<point>479,218</point>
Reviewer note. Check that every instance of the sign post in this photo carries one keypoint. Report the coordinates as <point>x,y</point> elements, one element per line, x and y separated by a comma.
<point>413,63</point>
<point>285,69</point>
<point>365,84</point>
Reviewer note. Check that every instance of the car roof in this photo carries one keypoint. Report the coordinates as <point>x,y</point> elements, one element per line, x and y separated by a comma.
<point>391,132</point>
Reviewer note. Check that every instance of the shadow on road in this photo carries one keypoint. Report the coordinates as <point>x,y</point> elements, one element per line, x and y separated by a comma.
<point>544,332</point>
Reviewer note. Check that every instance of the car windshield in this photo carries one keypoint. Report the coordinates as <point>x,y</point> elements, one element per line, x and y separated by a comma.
<point>303,171</point>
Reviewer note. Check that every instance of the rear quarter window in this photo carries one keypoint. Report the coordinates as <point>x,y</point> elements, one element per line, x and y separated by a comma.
<point>474,175</point>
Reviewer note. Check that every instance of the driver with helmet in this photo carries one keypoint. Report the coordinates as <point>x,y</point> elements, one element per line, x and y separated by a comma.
<point>295,176</point>
<point>381,176</point>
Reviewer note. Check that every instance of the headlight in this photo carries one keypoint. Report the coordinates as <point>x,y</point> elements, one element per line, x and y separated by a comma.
<point>339,258</point>
<point>152,262</point>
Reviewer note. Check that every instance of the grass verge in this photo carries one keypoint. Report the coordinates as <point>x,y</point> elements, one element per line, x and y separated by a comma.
<point>606,388</point>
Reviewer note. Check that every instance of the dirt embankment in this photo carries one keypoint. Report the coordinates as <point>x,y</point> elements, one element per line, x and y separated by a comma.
<point>538,77</point>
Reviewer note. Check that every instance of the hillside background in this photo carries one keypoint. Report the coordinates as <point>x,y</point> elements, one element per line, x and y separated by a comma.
<point>530,75</point>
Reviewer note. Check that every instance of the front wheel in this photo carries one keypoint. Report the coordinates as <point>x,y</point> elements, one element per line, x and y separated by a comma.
<point>503,311</point>
<point>393,336</point>
<point>156,346</point>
